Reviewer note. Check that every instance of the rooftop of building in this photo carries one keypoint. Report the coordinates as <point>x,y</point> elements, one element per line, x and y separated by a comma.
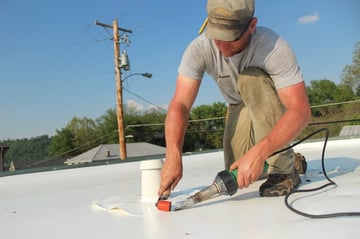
<point>106,201</point>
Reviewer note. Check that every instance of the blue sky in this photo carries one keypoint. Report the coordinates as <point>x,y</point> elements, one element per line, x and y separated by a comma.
<point>55,63</point>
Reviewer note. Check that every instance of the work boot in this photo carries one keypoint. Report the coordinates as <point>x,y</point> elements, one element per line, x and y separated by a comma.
<point>280,184</point>
<point>300,163</point>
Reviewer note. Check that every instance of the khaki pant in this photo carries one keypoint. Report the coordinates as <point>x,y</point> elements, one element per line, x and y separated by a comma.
<point>254,118</point>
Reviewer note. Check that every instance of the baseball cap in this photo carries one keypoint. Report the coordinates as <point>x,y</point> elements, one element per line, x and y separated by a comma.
<point>228,18</point>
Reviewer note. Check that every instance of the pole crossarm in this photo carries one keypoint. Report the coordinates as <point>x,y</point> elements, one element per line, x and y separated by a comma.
<point>110,26</point>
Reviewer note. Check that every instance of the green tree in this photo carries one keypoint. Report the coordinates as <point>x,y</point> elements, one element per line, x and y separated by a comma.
<point>322,91</point>
<point>62,144</point>
<point>326,91</point>
<point>84,131</point>
<point>351,73</point>
<point>25,152</point>
<point>78,136</point>
<point>155,130</point>
<point>345,93</point>
<point>107,128</point>
<point>145,126</point>
<point>206,128</point>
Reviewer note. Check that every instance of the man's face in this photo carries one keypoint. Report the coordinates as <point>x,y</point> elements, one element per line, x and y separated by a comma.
<point>230,48</point>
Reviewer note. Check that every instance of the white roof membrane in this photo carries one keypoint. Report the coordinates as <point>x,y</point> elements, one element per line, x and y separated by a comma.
<point>106,202</point>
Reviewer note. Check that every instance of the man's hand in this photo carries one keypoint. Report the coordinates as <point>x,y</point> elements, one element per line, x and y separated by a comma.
<point>250,167</point>
<point>171,174</point>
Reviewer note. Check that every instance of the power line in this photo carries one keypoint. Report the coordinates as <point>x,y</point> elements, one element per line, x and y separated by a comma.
<point>52,46</point>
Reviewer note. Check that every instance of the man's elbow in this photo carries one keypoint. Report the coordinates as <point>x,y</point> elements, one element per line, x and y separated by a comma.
<point>306,114</point>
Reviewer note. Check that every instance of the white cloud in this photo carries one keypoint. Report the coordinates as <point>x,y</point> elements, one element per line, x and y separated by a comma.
<point>138,107</point>
<point>308,19</point>
<point>159,107</point>
<point>135,106</point>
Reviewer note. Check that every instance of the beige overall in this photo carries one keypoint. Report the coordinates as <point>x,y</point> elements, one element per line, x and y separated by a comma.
<point>251,120</point>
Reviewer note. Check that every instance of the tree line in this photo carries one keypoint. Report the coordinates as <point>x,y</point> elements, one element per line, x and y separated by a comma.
<point>205,129</point>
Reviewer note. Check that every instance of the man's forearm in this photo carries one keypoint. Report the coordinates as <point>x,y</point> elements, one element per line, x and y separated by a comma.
<point>293,121</point>
<point>175,127</point>
<point>287,129</point>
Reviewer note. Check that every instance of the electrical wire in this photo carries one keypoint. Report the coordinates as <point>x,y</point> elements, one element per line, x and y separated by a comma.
<point>330,182</point>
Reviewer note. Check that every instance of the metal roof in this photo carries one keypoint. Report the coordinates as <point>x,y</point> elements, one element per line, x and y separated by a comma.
<point>111,151</point>
<point>350,130</point>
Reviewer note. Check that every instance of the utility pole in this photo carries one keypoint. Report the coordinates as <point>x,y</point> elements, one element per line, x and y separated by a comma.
<point>119,97</point>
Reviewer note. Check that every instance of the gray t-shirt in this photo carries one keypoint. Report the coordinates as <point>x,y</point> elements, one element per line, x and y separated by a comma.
<point>267,51</point>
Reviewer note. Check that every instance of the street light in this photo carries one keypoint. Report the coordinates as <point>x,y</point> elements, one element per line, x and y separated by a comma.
<point>120,116</point>
<point>146,74</point>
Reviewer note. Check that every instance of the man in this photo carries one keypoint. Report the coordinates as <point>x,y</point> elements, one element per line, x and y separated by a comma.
<point>258,75</point>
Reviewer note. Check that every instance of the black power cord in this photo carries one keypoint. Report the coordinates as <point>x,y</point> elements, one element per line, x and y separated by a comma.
<point>330,182</point>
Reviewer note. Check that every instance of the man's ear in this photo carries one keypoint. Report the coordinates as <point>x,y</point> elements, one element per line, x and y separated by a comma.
<point>252,25</point>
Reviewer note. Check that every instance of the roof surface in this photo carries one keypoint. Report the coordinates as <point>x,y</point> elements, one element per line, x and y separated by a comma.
<point>105,202</point>
<point>111,151</point>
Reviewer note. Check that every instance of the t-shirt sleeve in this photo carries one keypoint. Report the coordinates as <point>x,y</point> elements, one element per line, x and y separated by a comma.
<point>192,63</point>
<point>282,66</point>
